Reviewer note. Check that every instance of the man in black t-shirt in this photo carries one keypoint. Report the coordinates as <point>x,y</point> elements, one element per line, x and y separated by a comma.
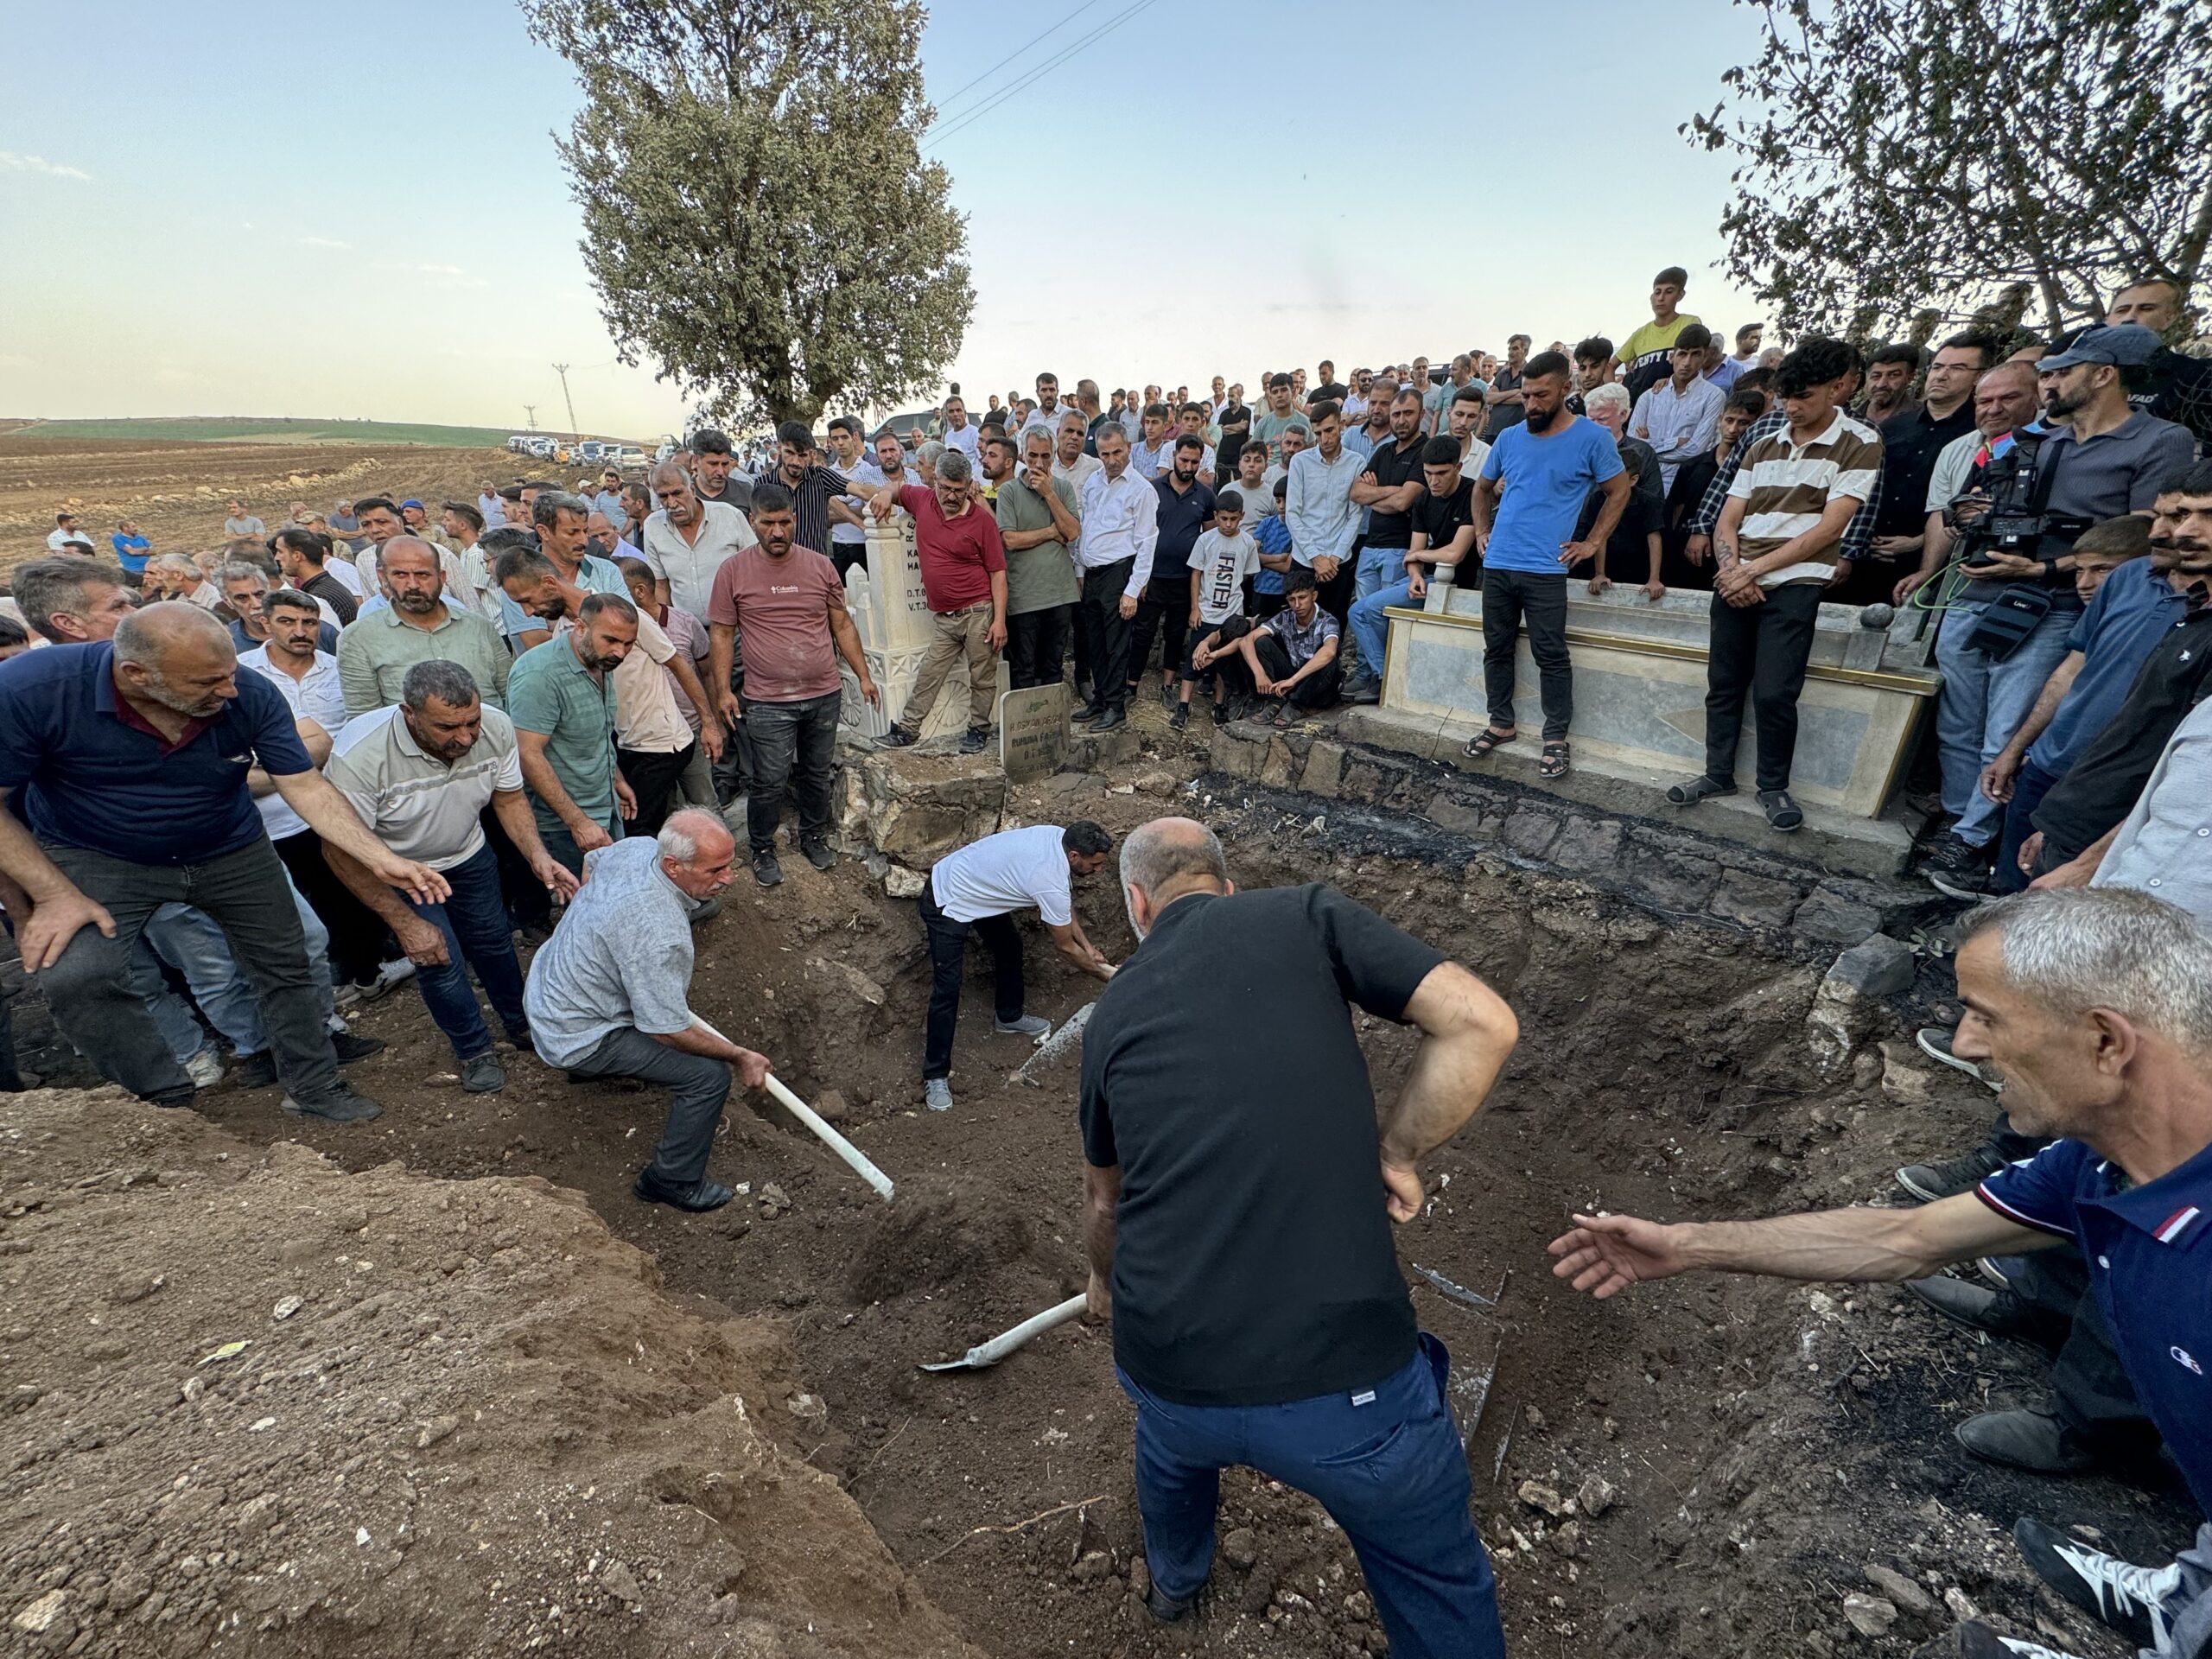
<point>1443,532</point>
<point>1237,1224</point>
<point>1389,490</point>
<point>1331,389</point>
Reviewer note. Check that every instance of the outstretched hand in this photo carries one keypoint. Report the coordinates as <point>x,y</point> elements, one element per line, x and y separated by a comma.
<point>1604,1255</point>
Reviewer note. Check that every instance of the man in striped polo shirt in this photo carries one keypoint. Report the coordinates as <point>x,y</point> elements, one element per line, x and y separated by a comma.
<point>1776,548</point>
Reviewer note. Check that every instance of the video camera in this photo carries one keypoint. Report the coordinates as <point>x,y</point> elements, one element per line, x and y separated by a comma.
<point>2019,522</point>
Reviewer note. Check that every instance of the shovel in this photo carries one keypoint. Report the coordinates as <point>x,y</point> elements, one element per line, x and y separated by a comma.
<point>1054,1043</point>
<point>984,1355</point>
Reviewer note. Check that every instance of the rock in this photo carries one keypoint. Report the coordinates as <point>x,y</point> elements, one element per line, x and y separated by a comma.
<point>1596,1494</point>
<point>1537,1496</point>
<point>1878,967</point>
<point>134,1288</point>
<point>773,1200</point>
<point>1960,1604</point>
<point>1139,1576</point>
<point>830,1105</point>
<point>1753,901</point>
<point>1530,832</point>
<point>622,1584</point>
<point>40,1615</point>
<point>1259,1591</point>
<point>1325,766</point>
<point>899,882</point>
<point>1869,1615</point>
<point>1905,1079</point>
<point>915,808</point>
<point>1241,1549</point>
<point>1093,1565</point>
<point>1848,1007</point>
<point>1359,1605</point>
<point>1462,818</point>
<point>287,1307</point>
<point>1587,844</point>
<point>807,1407</point>
<point>850,977</point>
<point>1907,1596</point>
<point>1830,917</point>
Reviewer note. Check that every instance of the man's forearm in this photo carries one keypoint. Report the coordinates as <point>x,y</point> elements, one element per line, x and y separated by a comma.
<point>1102,1191</point>
<point>545,784</point>
<point>847,638</point>
<point>512,809</point>
<point>697,1040</point>
<point>330,815</point>
<point>721,654</point>
<point>1468,1032</point>
<point>998,595</point>
<point>2046,704</point>
<point>24,861</point>
<point>390,909</point>
<point>1865,1243</point>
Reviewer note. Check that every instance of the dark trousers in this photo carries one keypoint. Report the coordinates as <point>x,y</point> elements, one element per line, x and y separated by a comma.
<point>734,771</point>
<point>794,744</point>
<point>1389,1470</point>
<point>654,777</point>
<point>2029,785</point>
<point>562,845</point>
<point>1337,593</point>
<point>1760,652</point>
<point>948,963</point>
<point>1317,690</point>
<point>1509,599</point>
<point>697,1087</point>
<point>1037,646</point>
<point>1164,610</point>
<point>1099,622</point>
<point>94,1003</point>
<point>528,903</point>
<point>473,921</point>
<point>358,938</point>
<point>846,554</point>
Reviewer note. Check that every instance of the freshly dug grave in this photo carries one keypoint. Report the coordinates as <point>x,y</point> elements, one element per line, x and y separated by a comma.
<point>1738,1454</point>
<point>260,1405</point>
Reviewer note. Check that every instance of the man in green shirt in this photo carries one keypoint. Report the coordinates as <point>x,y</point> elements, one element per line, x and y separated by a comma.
<point>560,698</point>
<point>419,626</point>
<point>1038,523</point>
<point>1646,354</point>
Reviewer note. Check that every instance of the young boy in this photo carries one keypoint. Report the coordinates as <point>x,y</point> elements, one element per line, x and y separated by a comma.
<point>1274,537</point>
<point>1224,555</point>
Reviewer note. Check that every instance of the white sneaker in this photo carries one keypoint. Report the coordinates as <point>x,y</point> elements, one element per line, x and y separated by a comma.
<point>937,1094</point>
<point>2139,1602</point>
<point>205,1067</point>
<point>389,976</point>
<point>1030,1024</point>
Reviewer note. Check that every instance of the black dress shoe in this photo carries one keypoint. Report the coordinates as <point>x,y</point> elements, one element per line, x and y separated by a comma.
<point>2031,1438</point>
<point>1981,1308</point>
<point>350,1048</point>
<point>1112,716</point>
<point>700,1195</point>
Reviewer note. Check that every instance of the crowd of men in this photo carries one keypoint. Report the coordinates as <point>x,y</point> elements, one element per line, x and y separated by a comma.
<point>495,746</point>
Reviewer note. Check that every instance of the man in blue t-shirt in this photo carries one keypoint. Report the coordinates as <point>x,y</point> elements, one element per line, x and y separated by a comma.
<point>137,759</point>
<point>132,552</point>
<point>1545,466</point>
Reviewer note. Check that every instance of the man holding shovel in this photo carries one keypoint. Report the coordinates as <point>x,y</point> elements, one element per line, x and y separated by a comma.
<point>1237,1222</point>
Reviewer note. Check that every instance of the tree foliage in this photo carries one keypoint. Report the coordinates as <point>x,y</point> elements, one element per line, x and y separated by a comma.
<point>1898,154</point>
<point>757,219</point>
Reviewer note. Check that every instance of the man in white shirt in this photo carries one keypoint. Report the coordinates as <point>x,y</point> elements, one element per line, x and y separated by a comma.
<point>960,433</point>
<point>686,541</point>
<point>1121,526</point>
<point>847,541</point>
<point>1049,407</point>
<point>1068,461</point>
<point>978,888</point>
<point>1680,417</point>
<point>1154,453</point>
<point>1320,512</point>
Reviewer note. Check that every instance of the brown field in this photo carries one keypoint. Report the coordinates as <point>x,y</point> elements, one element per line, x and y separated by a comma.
<point>177,492</point>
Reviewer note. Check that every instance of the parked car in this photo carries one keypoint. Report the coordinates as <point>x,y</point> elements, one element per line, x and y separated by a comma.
<point>592,451</point>
<point>520,443</point>
<point>628,457</point>
<point>542,448</point>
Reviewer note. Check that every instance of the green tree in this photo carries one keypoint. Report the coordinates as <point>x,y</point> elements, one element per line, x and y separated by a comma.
<point>1896,155</point>
<point>758,220</point>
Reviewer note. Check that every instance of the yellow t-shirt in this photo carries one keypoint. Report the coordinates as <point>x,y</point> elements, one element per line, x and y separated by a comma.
<point>1643,353</point>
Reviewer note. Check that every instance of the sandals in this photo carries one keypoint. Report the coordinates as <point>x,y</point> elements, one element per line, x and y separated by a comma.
<point>1782,812</point>
<point>1554,761</point>
<point>1285,715</point>
<point>1699,789</point>
<point>1484,741</point>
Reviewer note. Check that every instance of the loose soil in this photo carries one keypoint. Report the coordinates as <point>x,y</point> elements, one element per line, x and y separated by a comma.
<point>1738,1452</point>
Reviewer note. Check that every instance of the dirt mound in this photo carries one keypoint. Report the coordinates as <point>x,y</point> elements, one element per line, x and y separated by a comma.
<point>943,1230</point>
<point>257,1402</point>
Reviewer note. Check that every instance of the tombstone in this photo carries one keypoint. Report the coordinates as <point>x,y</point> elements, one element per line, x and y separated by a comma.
<point>1034,731</point>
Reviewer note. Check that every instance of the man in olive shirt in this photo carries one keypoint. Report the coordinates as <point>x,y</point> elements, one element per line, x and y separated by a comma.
<point>1039,524</point>
<point>562,696</point>
<point>419,626</point>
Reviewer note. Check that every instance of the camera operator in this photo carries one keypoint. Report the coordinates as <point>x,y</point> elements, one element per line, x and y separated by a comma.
<point>2029,493</point>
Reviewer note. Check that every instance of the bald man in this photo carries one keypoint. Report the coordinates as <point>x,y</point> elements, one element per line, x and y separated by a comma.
<point>137,758</point>
<point>1238,1219</point>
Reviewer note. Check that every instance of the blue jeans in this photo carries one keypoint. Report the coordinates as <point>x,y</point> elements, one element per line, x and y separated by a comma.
<point>1982,704</point>
<point>1387,1465</point>
<point>1369,627</point>
<point>195,947</point>
<point>2029,785</point>
<point>1378,567</point>
<point>474,920</point>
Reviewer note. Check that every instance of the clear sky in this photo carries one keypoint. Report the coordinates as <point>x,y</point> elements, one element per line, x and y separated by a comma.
<point>249,207</point>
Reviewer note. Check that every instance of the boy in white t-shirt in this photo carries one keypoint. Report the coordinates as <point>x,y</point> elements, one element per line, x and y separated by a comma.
<point>1223,557</point>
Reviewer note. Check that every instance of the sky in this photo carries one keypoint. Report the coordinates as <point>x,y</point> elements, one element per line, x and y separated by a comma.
<point>255,208</point>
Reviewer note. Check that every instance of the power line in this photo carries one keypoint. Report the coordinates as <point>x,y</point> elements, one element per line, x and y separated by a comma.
<point>967,118</point>
<point>954,98</point>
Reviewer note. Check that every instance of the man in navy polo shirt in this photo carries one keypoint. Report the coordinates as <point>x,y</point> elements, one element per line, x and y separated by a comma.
<point>135,758</point>
<point>2093,1006</point>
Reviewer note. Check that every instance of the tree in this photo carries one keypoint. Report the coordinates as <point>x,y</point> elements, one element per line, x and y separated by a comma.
<point>757,219</point>
<point>1895,154</point>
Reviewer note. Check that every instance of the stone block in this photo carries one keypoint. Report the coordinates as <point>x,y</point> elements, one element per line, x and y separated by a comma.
<point>1680,886</point>
<point>1448,811</point>
<point>916,808</point>
<point>1325,766</point>
<point>1530,831</point>
<point>1280,765</point>
<point>1831,919</point>
<point>1753,901</point>
<point>1587,844</point>
<point>1848,1008</point>
<point>1238,751</point>
<point>1363,780</point>
<point>1877,967</point>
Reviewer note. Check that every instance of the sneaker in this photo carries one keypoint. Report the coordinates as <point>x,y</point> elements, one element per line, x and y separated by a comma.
<point>765,870</point>
<point>389,976</point>
<point>482,1074</point>
<point>2030,1438</point>
<point>1029,1024</point>
<point>350,1048</point>
<point>1958,869</point>
<point>1164,1607</point>
<point>898,738</point>
<point>1180,718</point>
<point>818,853</point>
<point>345,994</point>
<point>937,1094</point>
<point>1935,1041</point>
<point>1782,812</point>
<point>340,1105</point>
<point>1169,691</point>
<point>259,1071</point>
<point>705,910</point>
<point>2133,1600</point>
<point>1363,690</point>
<point>975,740</point>
<point>700,1196</point>
<point>1976,1307</point>
<point>1928,1182</point>
<point>205,1068</point>
<point>1978,1641</point>
<point>2002,1271</point>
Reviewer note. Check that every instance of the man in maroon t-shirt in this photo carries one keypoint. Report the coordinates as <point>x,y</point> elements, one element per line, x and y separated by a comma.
<point>789,606</point>
<point>963,577</point>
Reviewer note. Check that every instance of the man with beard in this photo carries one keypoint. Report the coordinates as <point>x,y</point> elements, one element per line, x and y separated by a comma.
<point>421,774</point>
<point>376,653</point>
<point>1387,489</point>
<point>817,492</point>
<point>712,475</point>
<point>1268,425</point>
<point>1532,487</point>
<point>1186,509</point>
<point>1120,529</point>
<point>134,758</point>
<point>380,521</point>
<point>561,698</point>
<point>1039,524</point>
<point>563,525</point>
<point>1443,533</point>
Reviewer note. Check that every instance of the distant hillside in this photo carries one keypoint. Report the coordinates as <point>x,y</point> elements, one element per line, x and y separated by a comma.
<point>224,429</point>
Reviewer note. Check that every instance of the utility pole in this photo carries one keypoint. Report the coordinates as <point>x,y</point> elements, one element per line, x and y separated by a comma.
<point>530,410</point>
<point>562,369</point>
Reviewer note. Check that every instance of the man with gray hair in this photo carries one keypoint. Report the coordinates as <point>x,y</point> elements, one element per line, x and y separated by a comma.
<point>609,994</point>
<point>70,600</point>
<point>963,580</point>
<point>134,758</point>
<point>420,774</point>
<point>2094,1008</point>
<point>1238,1220</point>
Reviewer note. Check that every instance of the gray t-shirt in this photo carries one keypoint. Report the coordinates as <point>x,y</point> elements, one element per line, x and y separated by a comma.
<point>620,960</point>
